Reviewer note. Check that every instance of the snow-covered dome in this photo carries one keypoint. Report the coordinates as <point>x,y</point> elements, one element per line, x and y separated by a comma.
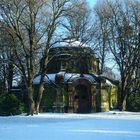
<point>68,77</point>
<point>71,43</point>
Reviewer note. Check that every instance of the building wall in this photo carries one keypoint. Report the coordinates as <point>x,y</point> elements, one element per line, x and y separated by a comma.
<point>109,97</point>
<point>98,97</point>
<point>66,101</point>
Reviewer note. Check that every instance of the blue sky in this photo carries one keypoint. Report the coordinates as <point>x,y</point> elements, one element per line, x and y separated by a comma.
<point>92,2</point>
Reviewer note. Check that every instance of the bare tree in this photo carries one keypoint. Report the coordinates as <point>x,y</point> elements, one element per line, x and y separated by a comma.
<point>22,21</point>
<point>60,9</point>
<point>57,9</point>
<point>101,35</point>
<point>6,57</point>
<point>78,22</point>
<point>123,40</point>
<point>33,26</point>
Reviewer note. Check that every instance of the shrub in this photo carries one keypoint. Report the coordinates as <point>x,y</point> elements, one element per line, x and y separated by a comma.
<point>133,103</point>
<point>48,99</point>
<point>10,105</point>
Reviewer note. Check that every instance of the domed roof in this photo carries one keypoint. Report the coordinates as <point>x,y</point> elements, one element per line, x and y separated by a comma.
<point>71,43</point>
<point>68,77</point>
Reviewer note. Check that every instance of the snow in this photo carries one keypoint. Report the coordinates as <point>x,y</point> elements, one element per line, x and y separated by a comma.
<point>61,126</point>
<point>71,43</point>
<point>47,79</point>
<point>67,77</point>
<point>76,76</point>
<point>108,82</point>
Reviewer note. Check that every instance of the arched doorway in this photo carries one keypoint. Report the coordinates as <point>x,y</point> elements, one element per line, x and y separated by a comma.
<point>83,99</point>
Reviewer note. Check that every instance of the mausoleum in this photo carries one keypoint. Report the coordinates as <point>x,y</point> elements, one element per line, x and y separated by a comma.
<point>73,82</point>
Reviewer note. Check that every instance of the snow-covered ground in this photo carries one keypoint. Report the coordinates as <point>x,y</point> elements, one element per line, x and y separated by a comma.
<point>49,126</point>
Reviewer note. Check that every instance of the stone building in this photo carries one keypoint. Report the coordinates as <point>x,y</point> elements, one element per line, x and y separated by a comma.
<point>73,84</point>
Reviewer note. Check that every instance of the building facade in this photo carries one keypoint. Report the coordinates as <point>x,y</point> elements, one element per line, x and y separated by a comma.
<point>73,84</point>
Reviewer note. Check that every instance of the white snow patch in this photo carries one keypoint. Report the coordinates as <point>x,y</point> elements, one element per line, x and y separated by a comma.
<point>72,43</point>
<point>113,125</point>
<point>105,115</point>
<point>67,76</point>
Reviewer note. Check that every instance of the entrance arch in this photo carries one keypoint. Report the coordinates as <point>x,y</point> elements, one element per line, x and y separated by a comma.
<point>83,98</point>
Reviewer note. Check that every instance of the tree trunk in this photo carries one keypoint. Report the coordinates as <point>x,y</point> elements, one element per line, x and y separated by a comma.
<point>39,97</point>
<point>123,103</point>
<point>40,88</point>
<point>10,77</point>
<point>31,101</point>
